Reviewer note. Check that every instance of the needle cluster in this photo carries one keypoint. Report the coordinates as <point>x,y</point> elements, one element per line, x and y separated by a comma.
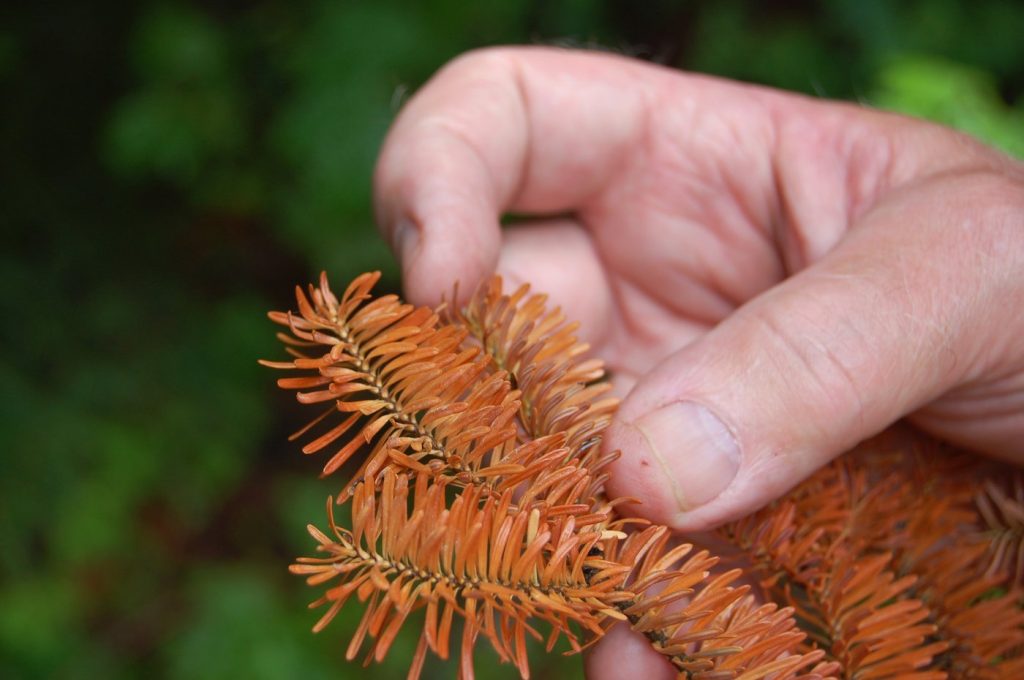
<point>478,511</point>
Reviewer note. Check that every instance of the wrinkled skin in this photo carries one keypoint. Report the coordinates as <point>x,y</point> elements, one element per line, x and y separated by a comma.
<point>771,278</point>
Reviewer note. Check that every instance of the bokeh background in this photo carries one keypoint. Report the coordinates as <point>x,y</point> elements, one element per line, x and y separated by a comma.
<point>169,170</point>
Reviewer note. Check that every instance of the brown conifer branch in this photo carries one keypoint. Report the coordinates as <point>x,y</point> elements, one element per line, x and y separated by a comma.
<point>919,510</point>
<point>561,390</point>
<point>477,557</point>
<point>496,404</point>
<point>421,399</point>
<point>1002,509</point>
<point>707,628</point>
<point>485,561</point>
<point>929,521</point>
<point>941,545</point>
<point>817,549</point>
<point>559,387</point>
<point>385,362</point>
<point>365,342</point>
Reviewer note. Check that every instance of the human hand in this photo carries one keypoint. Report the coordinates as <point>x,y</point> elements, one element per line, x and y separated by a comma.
<point>773,278</point>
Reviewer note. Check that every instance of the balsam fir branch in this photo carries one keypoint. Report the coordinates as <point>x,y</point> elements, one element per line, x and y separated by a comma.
<point>479,497</point>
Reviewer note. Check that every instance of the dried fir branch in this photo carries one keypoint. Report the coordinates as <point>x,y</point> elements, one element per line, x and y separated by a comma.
<point>500,568</point>
<point>561,389</point>
<point>426,400</point>
<point>497,567</point>
<point>377,362</point>
<point>560,392</point>
<point>965,594</point>
<point>706,627</point>
<point>549,468</point>
<point>804,551</point>
<point>918,509</point>
<point>932,531</point>
<point>417,398</point>
<point>1002,508</point>
<point>481,496</point>
<point>852,606</point>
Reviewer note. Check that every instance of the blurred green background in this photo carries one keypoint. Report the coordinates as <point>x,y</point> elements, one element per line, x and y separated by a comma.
<point>171,169</point>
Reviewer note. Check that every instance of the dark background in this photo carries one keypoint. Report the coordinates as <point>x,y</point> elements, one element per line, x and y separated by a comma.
<point>169,170</point>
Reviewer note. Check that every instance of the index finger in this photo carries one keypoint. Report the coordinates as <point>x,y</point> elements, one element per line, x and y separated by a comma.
<point>531,129</point>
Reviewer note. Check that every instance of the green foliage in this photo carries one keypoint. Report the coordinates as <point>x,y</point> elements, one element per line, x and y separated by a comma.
<point>188,118</point>
<point>959,96</point>
<point>222,641</point>
<point>171,168</point>
<point>188,123</point>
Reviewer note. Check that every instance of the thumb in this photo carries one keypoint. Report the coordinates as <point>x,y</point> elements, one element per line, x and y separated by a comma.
<point>896,315</point>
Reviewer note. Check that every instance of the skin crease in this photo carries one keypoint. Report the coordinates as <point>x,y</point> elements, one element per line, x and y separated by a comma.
<point>806,271</point>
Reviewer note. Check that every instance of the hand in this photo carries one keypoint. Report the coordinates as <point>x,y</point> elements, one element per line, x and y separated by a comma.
<point>775,277</point>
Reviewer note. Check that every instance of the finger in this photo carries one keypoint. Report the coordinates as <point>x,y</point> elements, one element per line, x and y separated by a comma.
<point>910,304</point>
<point>623,653</point>
<point>533,129</point>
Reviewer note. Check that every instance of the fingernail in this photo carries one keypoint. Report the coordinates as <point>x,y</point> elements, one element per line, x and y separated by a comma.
<point>406,240</point>
<point>697,452</point>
